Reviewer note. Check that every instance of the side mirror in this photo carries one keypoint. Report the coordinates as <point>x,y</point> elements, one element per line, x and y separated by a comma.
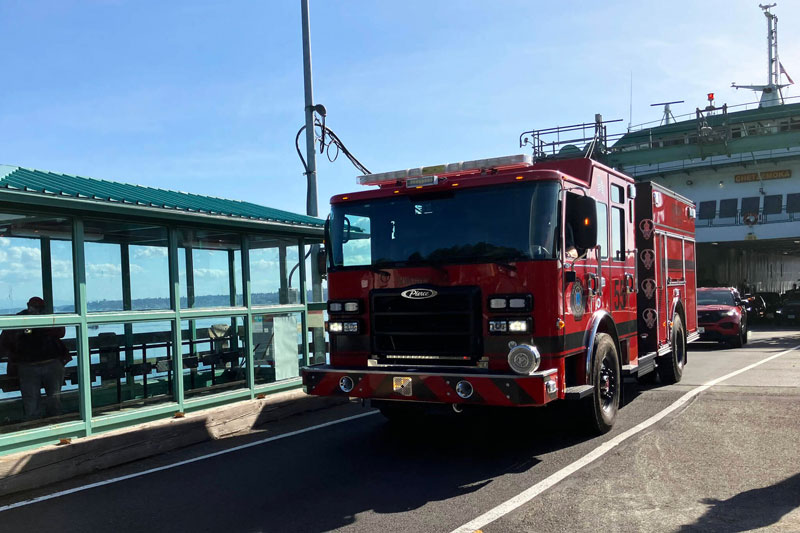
<point>582,217</point>
<point>346,236</point>
<point>322,262</point>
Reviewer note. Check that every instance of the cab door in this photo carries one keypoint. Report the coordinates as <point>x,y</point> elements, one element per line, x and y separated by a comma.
<point>622,265</point>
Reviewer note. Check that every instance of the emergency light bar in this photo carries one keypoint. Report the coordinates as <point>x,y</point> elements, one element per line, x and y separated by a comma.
<point>494,163</point>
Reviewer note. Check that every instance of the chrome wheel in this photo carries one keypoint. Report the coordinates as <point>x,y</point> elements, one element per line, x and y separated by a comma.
<point>607,384</point>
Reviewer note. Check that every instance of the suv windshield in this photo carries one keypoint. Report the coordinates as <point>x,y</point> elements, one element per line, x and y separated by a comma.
<point>715,298</point>
<point>484,224</point>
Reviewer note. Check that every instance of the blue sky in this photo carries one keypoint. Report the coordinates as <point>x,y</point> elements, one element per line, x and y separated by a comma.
<point>207,96</point>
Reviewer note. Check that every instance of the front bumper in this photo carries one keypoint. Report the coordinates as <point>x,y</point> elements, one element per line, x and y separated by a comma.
<point>716,331</point>
<point>434,387</point>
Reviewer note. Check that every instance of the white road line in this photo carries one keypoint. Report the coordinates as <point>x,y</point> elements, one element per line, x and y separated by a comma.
<point>180,463</point>
<point>530,493</point>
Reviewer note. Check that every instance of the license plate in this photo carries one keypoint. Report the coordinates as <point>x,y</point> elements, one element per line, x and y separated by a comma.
<point>701,329</point>
<point>402,385</point>
<point>790,317</point>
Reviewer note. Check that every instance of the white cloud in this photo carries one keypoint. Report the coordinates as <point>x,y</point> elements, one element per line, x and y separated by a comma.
<point>25,254</point>
<point>103,270</point>
<point>15,271</point>
<point>140,252</point>
<point>263,264</point>
<point>213,273</point>
<point>62,269</point>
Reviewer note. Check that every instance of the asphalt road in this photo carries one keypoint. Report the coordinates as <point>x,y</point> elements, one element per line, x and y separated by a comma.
<point>726,460</point>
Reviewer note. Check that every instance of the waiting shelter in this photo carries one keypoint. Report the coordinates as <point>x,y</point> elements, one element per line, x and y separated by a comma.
<point>169,302</point>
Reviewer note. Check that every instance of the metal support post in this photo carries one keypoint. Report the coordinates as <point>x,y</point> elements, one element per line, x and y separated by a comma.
<point>248,324</point>
<point>127,305</point>
<point>47,275</point>
<point>283,291</point>
<point>175,297</point>
<point>301,250</point>
<point>84,356</point>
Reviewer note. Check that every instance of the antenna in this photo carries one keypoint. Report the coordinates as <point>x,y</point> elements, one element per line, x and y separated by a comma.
<point>630,111</point>
<point>668,117</point>
<point>771,92</point>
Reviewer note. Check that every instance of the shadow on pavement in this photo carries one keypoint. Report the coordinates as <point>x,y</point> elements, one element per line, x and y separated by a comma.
<point>751,509</point>
<point>325,480</point>
<point>399,467</point>
<point>779,339</point>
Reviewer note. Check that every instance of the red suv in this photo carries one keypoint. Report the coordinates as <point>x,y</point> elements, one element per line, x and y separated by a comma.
<point>721,315</point>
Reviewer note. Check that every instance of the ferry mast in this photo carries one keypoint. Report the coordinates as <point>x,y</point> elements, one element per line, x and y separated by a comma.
<point>771,94</point>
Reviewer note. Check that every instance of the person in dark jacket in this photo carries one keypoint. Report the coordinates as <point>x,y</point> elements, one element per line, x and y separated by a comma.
<point>39,354</point>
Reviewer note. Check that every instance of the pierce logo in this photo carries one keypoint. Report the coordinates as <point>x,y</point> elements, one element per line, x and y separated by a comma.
<point>648,257</point>
<point>646,227</point>
<point>649,287</point>
<point>418,294</point>
<point>650,316</point>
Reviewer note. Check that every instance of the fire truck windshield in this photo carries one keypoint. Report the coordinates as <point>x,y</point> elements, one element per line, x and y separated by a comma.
<point>483,224</point>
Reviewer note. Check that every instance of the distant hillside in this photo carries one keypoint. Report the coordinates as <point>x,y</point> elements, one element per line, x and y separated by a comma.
<point>144,304</point>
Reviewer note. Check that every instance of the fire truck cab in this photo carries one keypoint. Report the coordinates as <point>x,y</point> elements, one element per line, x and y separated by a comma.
<point>506,282</point>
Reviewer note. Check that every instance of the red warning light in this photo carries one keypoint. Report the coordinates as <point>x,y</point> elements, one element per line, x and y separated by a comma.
<point>710,97</point>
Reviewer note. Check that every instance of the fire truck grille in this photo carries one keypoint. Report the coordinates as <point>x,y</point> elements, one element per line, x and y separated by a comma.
<point>705,317</point>
<point>441,330</point>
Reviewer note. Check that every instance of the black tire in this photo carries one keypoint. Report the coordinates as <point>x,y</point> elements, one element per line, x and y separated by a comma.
<point>670,367</point>
<point>745,331</point>
<point>600,409</point>
<point>738,340</point>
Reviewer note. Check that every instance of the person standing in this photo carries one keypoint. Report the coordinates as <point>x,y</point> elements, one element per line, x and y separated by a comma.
<point>40,355</point>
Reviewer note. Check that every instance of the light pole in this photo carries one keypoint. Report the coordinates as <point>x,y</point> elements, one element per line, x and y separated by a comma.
<point>311,156</point>
<point>311,173</point>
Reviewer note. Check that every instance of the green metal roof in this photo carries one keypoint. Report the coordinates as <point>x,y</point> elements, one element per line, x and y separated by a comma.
<point>52,184</point>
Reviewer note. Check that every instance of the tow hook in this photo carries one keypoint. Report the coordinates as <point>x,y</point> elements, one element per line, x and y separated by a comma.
<point>457,408</point>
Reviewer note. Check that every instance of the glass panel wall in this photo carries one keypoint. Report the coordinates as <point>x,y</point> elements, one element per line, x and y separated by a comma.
<point>131,364</point>
<point>126,266</point>
<point>35,261</point>
<point>274,270</point>
<point>317,336</point>
<point>38,377</point>
<point>210,268</point>
<point>322,293</point>
<point>277,346</point>
<point>214,358</point>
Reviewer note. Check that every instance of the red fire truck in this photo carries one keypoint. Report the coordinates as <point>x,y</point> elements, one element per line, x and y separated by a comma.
<point>506,282</point>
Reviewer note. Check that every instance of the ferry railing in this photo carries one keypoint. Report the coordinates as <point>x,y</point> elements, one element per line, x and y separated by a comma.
<point>688,116</point>
<point>741,218</point>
